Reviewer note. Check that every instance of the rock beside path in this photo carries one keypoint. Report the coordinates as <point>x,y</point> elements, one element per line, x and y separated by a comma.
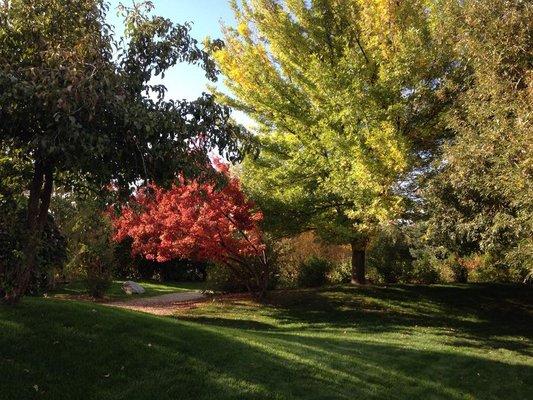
<point>131,287</point>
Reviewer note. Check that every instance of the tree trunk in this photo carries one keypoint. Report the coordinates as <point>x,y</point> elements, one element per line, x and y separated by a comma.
<point>358,262</point>
<point>38,204</point>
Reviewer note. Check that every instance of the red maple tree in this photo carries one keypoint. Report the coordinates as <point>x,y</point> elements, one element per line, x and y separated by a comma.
<point>197,220</point>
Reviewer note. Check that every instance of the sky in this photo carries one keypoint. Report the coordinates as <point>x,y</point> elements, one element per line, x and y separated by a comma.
<point>188,81</point>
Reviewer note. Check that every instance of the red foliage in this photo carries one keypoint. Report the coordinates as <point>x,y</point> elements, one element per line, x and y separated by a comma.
<point>192,220</point>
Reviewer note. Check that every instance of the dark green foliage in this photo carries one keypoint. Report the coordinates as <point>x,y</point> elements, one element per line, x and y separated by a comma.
<point>340,273</point>
<point>125,267</point>
<point>52,257</point>
<point>223,279</point>
<point>257,275</point>
<point>425,271</point>
<point>11,243</point>
<point>91,254</point>
<point>389,256</point>
<point>182,271</point>
<point>313,272</point>
<point>52,251</point>
<point>480,199</point>
<point>81,104</point>
<point>132,267</point>
<point>98,278</point>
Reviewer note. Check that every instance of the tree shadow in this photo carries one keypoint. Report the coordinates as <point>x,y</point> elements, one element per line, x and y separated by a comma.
<point>76,350</point>
<point>478,316</point>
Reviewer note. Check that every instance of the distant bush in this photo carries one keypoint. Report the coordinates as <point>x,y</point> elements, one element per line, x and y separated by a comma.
<point>98,278</point>
<point>425,269</point>
<point>297,250</point>
<point>340,273</point>
<point>388,256</point>
<point>255,276</point>
<point>222,279</point>
<point>313,272</point>
<point>182,271</point>
<point>51,257</point>
<point>91,251</point>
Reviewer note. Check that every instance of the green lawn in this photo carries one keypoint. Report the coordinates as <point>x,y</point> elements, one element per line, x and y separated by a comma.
<point>115,292</point>
<point>400,342</point>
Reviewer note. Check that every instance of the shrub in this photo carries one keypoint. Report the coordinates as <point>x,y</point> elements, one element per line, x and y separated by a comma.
<point>135,267</point>
<point>256,276</point>
<point>425,269</point>
<point>313,272</point>
<point>51,258</point>
<point>181,271</point>
<point>125,266</point>
<point>340,273</point>
<point>222,279</point>
<point>99,276</point>
<point>91,250</point>
<point>51,255</point>
<point>389,256</point>
<point>295,251</point>
<point>457,267</point>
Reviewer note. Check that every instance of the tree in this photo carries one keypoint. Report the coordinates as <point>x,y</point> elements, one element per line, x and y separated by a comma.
<point>195,220</point>
<point>81,105</point>
<point>480,198</point>
<point>346,96</point>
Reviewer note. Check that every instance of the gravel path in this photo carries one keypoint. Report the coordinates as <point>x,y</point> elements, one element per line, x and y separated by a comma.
<point>161,305</point>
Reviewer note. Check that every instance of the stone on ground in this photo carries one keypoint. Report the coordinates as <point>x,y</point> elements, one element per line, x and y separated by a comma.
<point>131,287</point>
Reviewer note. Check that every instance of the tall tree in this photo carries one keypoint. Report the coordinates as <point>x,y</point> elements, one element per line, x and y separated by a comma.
<point>80,103</point>
<point>345,94</point>
<point>481,197</point>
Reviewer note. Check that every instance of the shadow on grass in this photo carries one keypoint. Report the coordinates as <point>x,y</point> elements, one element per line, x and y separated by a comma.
<point>478,316</point>
<point>77,350</point>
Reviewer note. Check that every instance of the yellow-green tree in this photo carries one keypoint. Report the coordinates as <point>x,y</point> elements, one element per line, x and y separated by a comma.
<point>345,94</point>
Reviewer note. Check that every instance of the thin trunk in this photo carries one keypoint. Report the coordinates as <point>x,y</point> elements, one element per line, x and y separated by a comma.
<point>358,262</point>
<point>46,197</point>
<point>38,205</point>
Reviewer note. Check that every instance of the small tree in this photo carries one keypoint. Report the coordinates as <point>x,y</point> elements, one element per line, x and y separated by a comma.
<point>199,221</point>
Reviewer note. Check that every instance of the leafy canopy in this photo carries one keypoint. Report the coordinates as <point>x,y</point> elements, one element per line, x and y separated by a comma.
<point>194,220</point>
<point>81,101</point>
<point>344,93</point>
<point>480,200</point>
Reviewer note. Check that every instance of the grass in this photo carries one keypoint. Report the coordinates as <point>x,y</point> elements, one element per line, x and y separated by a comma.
<point>115,292</point>
<point>398,342</point>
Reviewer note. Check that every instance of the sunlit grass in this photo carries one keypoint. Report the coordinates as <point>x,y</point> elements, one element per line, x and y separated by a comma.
<point>403,342</point>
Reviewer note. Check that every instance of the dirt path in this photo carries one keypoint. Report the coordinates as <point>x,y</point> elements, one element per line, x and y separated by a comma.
<point>161,305</point>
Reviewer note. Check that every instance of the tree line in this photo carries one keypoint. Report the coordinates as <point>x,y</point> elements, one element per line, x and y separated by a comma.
<point>412,114</point>
<point>415,114</point>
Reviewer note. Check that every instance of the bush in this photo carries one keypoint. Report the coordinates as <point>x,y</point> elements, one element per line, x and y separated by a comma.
<point>182,271</point>
<point>295,251</point>
<point>51,259</point>
<point>125,267</point>
<point>222,279</point>
<point>340,273</point>
<point>91,250</point>
<point>51,255</point>
<point>137,267</point>
<point>389,257</point>
<point>98,278</point>
<point>425,269</point>
<point>256,276</point>
<point>313,272</point>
